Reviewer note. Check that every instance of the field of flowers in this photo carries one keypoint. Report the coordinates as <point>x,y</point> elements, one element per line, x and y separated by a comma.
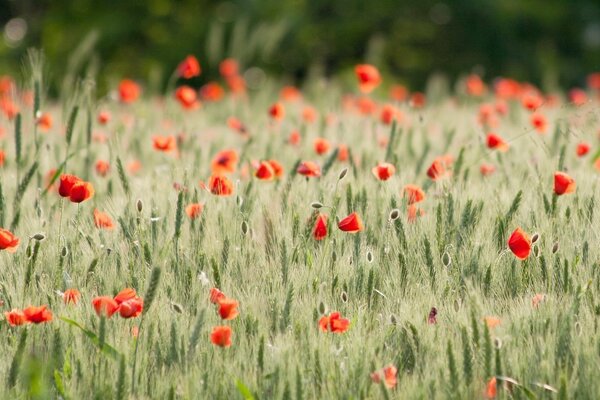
<point>333,241</point>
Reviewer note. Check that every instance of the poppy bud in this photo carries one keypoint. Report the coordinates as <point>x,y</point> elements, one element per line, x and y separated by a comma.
<point>536,251</point>
<point>342,174</point>
<point>239,201</point>
<point>322,307</point>
<point>554,247</point>
<point>369,256</point>
<point>28,251</point>
<point>316,205</point>
<point>334,256</point>
<point>498,343</point>
<point>393,319</point>
<point>456,305</point>
<point>177,308</point>
<point>344,297</point>
<point>244,227</point>
<point>64,252</point>
<point>140,205</point>
<point>39,237</point>
<point>446,260</point>
<point>394,214</point>
<point>535,238</point>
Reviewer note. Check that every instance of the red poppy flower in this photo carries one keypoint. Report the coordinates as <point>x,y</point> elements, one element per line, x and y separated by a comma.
<point>414,212</point>
<point>496,142</point>
<point>105,306</point>
<point>194,210</point>
<point>221,336</point>
<point>2,158</point>
<point>81,192</point>
<point>474,85</point>
<point>491,389</point>
<point>228,308</point>
<point>436,170</point>
<point>320,228</point>
<point>487,169</point>
<point>236,84</point>
<point>398,93</point>
<point>189,67</point>
<point>216,295</point>
<point>351,224</point>
<point>383,171</point>
<point>103,220</point>
<point>220,185</point>
<point>212,91</point>
<point>532,101</point>
<point>277,111</point>
<point>388,114</point>
<point>37,315</point>
<point>131,308</point>
<point>343,153</point>
<point>66,184</point>
<point>44,122</point>
<point>102,167</point>
<point>368,77</point>
<point>15,317</point>
<point>124,295</point>
<point>294,138</point>
<point>265,171</point>
<point>539,122</point>
<point>228,68</point>
<point>290,93</point>
<point>582,149</point>
<point>224,162</point>
<point>578,97</point>
<point>321,146</point>
<point>418,100</point>
<point>309,114</point>
<point>387,374</point>
<point>277,168</point>
<point>129,91</point>
<point>563,183</point>
<point>334,323</point>
<point>520,244</point>
<point>164,143</point>
<point>8,241</point>
<point>71,296</point>
<point>186,96</point>
<point>413,193</point>
<point>103,117</point>
<point>309,169</point>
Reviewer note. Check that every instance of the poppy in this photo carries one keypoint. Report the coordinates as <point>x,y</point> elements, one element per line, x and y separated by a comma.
<point>228,308</point>
<point>129,91</point>
<point>71,296</point>
<point>343,153</point>
<point>294,138</point>
<point>366,105</point>
<point>582,149</point>
<point>216,295</point>
<point>414,212</point>
<point>37,315</point>
<point>368,77</point>
<point>439,168</point>
<point>487,115</point>
<point>228,68</point>
<point>189,67</point>
<point>277,168</point>
<point>334,323</point>
<point>537,299</point>
<point>15,317</point>
<point>133,167</point>
<point>66,184</point>
<point>413,193</point>
<point>2,157</point>
<point>186,96</point>
<point>491,389</point>
<point>220,185</point>
<point>487,169</point>
<point>194,210</point>
<point>105,306</point>
<point>532,101</point>
<point>81,191</point>
<point>398,93</point>
<point>264,171</point>
<point>474,85</point>
<point>8,241</point>
<point>212,91</point>
<point>131,308</point>
<point>563,184</point>
<point>124,295</point>
<point>237,126</point>
<point>387,374</point>
<point>492,322</point>
<point>320,228</point>
<point>221,336</point>
<point>224,162</point>
<point>520,244</point>
<point>236,84</point>
<point>44,122</point>
<point>383,171</point>
<point>432,317</point>
<point>539,123</point>
<point>309,114</point>
<point>577,97</point>
<point>496,142</point>
<point>277,111</point>
<point>290,93</point>
<point>388,114</point>
<point>103,220</point>
<point>164,143</point>
<point>351,224</point>
<point>309,169</point>
<point>102,167</point>
<point>103,117</point>
<point>418,100</point>
<point>321,146</point>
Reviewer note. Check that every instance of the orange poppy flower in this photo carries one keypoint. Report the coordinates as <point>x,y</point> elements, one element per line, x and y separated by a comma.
<point>194,210</point>
<point>414,212</point>
<point>220,185</point>
<point>334,323</point>
<point>131,308</point>
<point>418,100</point>
<point>387,374</point>
<point>277,111</point>
<point>294,138</point>
<point>563,183</point>
<point>321,146</point>
<point>66,184</point>
<point>212,91</point>
<point>366,105</point>
<point>413,193</point>
<point>8,241</point>
<point>37,315</point>
<point>496,142</point>
<point>44,122</point>
<point>2,157</point>
<point>309,169</point>
<point>532,101</point>
<point>290,93</point>
<point>368,77</point>
<point>221,336</point>
<point>582,149</point>
<point>320,228</point>
<point>103,220</point>
<point>236,84</point>
<point>538,121</point>
<point>492,322</point>
<point>388,114</point>
<point>487,115</point>
<point>216,295</point>
<point>186,96</point>
<point>129,91</point>
<point>520,244</point>
<point>228,68</point>
<point>105,306</point>
<point>309,114</point>
<point>81,192</point>
<point>189,67</point>
<point>71,296</point>
<point>133,167</point>
<point>383,171</point>
<point>577,97</point>
<point>124,295</point>
<point>15,317</point>
<point>264,171</point>
<point>102,167</point>
<point>277,168</point>
<point>103,117</point>
<point>491,389</point>
<point>228,308</point>
<point>224,162</point>
<point>9,108</point>
<point>164,143</point>
<point>439,168</point>
<point>351,224</point>
<point>474,85</point>
<point>487,169</point>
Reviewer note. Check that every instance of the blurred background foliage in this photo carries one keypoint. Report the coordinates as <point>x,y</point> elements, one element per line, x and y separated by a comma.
<point>548,42</point>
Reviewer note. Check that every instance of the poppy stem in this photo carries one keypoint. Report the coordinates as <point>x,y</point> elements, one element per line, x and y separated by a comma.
<point>60,218</point>
<point>137,342</point>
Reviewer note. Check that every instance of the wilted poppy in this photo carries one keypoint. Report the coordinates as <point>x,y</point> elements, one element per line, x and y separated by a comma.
<point>368,77</point>
<point>131,308</point>
<point>387,374</point>
<point>194,210</point>
<point>103,220</point>
<point>334,323</point>
<point>105,306</point>
<point>220,185</point>
<point>189,67</point>
<point>224,162</point>
<point>71,296</point>
<point>351,224</point>
<point>37,315</point>
<point>164,143</point>
<point>129,91</point>
<point>228,308</point>
<point>15,317</point>
<point>413,193</point>
<point>187,97</point>
<point>563,183</point>
<point>520,244</point>
<point>221,336</point>
<point>8,241</point>
<point>309,169</point>
<point>81,191</point>
<point>383,171</point>
<point>320,228</point>
<point>496,142</point>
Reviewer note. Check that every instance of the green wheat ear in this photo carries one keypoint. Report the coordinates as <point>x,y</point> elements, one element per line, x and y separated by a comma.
<point>152,288</point>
